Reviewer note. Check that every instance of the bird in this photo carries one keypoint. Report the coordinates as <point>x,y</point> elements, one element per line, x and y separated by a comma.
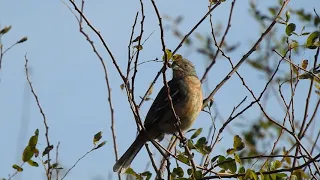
<point>186,94</point>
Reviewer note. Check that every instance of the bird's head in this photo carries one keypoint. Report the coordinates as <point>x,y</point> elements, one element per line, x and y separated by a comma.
<point>182,68</point>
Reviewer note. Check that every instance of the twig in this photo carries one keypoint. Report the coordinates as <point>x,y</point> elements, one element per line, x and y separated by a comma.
<point>242,60</point>
<point>48,170</point>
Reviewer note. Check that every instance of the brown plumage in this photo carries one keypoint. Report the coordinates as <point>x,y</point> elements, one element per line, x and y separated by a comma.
<point>186,94</point>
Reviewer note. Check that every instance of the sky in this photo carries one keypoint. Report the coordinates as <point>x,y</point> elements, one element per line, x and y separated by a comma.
<point>69,81</point>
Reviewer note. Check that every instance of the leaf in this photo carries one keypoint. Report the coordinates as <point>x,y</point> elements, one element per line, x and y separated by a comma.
<point>178,171</point>
<point>288,160</point>
<point>221,163</point>
<point>304,64</point>
<point>230,151</point>
<point>33,141</point>
<point>47,150</point>
<point>214,159</point>
<point>295,69</point>
<point>169,55</point>
<point>23,40</point>
<point>198,174</point>
<point>33,163</point>
<point>136,39</point>
<point>101,144</point>
<point>5,30</point>
<point>183,158</point>
<point>147,174</point>
<point>287,16</point>
<point>139,47</point>
<point>97,137</point>
<point>122,86</point>
<point>196,134</point>
<point>290,29</point>
<point>231,164</point>
<point>54,165</point>
<point>275,164</point>
<point>237,143</point>
<point>237,158</point>
<point>312,39</point>
<point>18,168</point>
<point>27,154</point>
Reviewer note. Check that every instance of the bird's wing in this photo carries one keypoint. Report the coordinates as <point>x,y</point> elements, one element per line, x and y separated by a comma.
<point>161,105</point>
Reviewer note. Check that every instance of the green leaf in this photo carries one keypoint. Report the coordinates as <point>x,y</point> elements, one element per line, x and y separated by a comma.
<point>100,145</point>
<point>196,134</point>
<point>230,151</point>
<point>221,163</point>
<point>27,154</point>
<point>136,39</point>
<point>183,158</point>
<point>47,150</point>
<point>290,29</point>
<point>33,163</point>
<point>169,54</point>
<point>237,158</point>
<point>312,39</point>
<point>97,137</point>
<point>5,30</point>
<point>275,164</point>
<point>178,171</point>
<point>288,16</point>
<point>198,174</point>
<point>232,165</point>
<point>139,47</point>
<point>18,168</point>
<point>241,170</point>
<point>237,143</point>
<point>23,40</point>
<point>214,159</point>
<point>147,174</point>
<point>33,141</point>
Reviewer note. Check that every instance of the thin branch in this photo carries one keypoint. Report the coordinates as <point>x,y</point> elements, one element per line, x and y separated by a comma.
<point>242,60</point>
<point>48,170</point>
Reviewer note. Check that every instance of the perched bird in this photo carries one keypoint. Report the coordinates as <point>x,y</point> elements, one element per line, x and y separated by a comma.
<point>186,94</point>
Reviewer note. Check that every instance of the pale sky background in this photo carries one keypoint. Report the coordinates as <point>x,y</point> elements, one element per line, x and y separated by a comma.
<point>69,81</point>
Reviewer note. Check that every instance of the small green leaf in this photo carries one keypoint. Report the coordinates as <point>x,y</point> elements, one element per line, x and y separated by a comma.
<point>47,150</point>
<point>183,158</point>
<point>230,151</point>
<point>237,143</point>
<point>178,171</point>
<point>221,163</point>
<point>27,154</point>
<point>54,165</point>
<point>33,141</point>
<point>287,16</point>
<point>136,39</point>
<point>23,40</point>
<point>97,137</point>
<point>198,174</point>
<point>214,159</point>
<point>33,163</point>
<point>18,168</point>
<point>139,47</point>
<point>231,164</point>
<point>196,134</point>
<point>275,164</point>
<point>312,39</point>
<point>290,29</point>
<point>5,30</point>
<point>241,170</point>
<point>101,144</point>
<point>237,158</point>
<point>147,174</point>
<point>169,54</point>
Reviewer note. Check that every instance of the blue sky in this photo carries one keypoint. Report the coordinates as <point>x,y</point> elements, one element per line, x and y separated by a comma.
<point>69,81</point>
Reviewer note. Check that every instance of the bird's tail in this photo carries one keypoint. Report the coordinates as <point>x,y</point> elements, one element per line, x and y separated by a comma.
<point>124,162</point>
